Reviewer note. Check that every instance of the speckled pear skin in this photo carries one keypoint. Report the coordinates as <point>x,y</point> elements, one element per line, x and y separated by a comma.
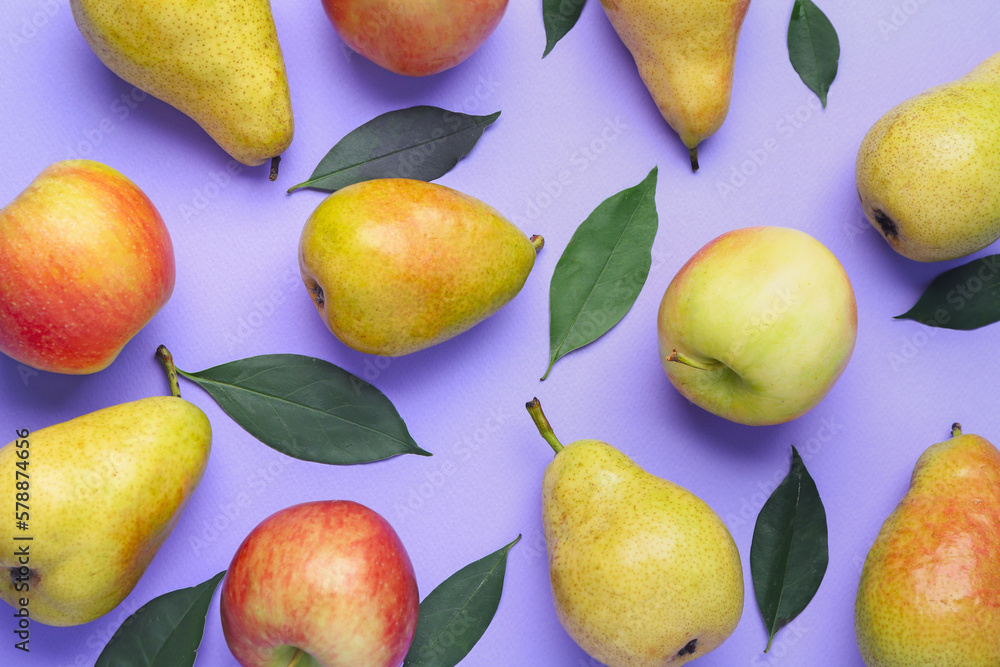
<point>929,594</point>
<point>643,572</point>
<point>927,171</point>
<point>106,489</point>
<point>218,62</point>
<point>396,265</point>
<point>685,52</point>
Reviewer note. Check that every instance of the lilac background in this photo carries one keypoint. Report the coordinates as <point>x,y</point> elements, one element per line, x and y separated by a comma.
<point>582,111</point>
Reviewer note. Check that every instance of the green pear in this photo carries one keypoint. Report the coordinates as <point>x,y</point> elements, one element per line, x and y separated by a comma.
<point>927,171</point>
<point>643,572</point>
<point>218,62</point>
<point>397,265</point>
<point>685,52</point>
<point>929,594</point>
<point>101,494</point>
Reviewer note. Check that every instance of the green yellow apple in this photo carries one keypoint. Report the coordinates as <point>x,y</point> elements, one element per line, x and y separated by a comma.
<point>758,325</point>
<point>325,584</point>
<point>415,37</point>
<point>85,262</point>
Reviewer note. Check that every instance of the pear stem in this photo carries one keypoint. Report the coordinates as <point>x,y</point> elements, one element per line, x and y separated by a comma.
<point>693,152</point>
<point>537,416</point>
<point>274,168</point>
<point>688,361</point>
<point>537,242</point>
<point>168,363</point>
<point>956,430</point>
<point>296,657</point>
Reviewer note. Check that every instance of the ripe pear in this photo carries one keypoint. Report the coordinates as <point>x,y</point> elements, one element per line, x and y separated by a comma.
<point>643,572</point>
<point>929,594</point>
<point>218,62</point>
<point>685,52</point>
<point>927,171</point>
<point>397,265</point>
<point>101,494</point>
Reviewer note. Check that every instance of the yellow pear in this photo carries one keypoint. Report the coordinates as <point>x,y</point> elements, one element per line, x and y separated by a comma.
<point>101,493</point>
<point>643,572</point>
<point>929,594</point>
<point>397,265</point>
<point>927,171</point>
<point>218,62</point>
<point>685,52</point>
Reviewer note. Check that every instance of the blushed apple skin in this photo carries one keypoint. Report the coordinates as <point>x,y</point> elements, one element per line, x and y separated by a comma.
<point>771,312</point>
<point>85,262</point>
<point>330,578</point>
<point>415,37</point>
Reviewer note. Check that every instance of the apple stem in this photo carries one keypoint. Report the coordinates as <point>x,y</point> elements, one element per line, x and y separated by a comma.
<point>537,242</point>
<point>274,168</point>
<point>956,430</point>
<point>168,363</point>
<point>688,361</point>
<point>296,657</point>
<point>535,410</point>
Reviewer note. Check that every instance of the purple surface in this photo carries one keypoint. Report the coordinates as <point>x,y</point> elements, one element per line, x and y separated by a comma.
<point>581,113</point>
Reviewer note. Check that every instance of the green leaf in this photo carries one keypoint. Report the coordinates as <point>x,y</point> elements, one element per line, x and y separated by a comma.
<point>813,47</point>
<point>456,614</point>
<point>421,142</point>
<point>559,17</point>
<point>164,632</point>
<point>789,553</point>
<point>602,270</point>
<point>308,408</point>
<point>963,298</point>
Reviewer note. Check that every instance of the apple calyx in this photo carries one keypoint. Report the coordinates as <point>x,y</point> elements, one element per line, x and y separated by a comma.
<point>537,242</point>
<point>163,354</point>
<point>542,423</point>
<point>956,430</point>
<point>688,361</point>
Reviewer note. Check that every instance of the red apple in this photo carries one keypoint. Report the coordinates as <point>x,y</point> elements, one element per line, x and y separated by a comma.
<point>324,584</point>
<point>85,263</point>
<point>415,37</point>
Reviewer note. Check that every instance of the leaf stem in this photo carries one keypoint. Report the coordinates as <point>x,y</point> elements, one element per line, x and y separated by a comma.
<point>168,363</point>
<point>688,361</point>
<point>956,430</point>
<point>770,638</point>
<point>273,175</point>
<point>537,242</point>
<point>535,410</point>
<point>296,658</point>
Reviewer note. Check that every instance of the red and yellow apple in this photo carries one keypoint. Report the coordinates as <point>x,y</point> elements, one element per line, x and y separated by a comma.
<point>85,263</point>
<point>415,37</point>
<point>758,325</point>
<point>325,584</point>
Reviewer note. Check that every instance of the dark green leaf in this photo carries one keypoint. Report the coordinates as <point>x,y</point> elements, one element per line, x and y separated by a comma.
<point>813,47</point>
<point>966,297</point>
<point>602,270</point>
<point>421,142</point>
<point>559,17</point>
<point>165,632</point>
<point>789,553</point>
<point>308,408</point>
<point>456,614</point>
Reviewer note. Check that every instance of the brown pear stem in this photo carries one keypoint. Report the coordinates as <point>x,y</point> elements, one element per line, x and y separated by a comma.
<point>693,152</point>
<point>274,168</point>
<point>168,363</point>
<point>956,430</point>
<point>537,242</point>
<point>296,658</point>
<point>688,361</point>
<point>537,416</point>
